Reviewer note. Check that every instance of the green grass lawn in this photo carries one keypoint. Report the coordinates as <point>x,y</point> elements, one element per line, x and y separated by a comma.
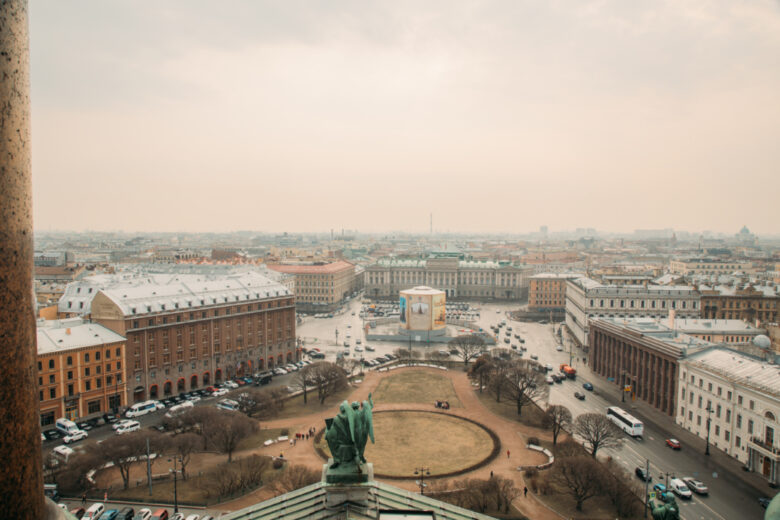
<point>416,386</point>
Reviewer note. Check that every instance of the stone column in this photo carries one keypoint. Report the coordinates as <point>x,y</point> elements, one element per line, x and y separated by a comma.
<point>21,482</point>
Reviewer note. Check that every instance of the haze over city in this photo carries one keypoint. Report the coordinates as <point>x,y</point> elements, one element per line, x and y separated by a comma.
<point>494,116</point>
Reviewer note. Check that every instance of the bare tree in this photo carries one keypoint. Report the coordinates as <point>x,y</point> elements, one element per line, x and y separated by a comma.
<point>480,370</point>
<point>523,383</point>
<point>597,432</point>
<point>328,379</point>
<point>557,418</point>
<point>506,492</point>
<point>580,477</point>
<point>295,477</point>
<point>258,402</point>
<point>569,448</point>
<point>495,378</point>
<point>467,347</point>
<point>622,489</point>
<point>232,428</point>
<point>125,450</point>
<point>303,380</point>
<point>183,446</point>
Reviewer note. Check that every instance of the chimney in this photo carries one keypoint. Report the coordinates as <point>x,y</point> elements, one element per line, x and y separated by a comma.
<point>671,319</point>
<point>67,331</point>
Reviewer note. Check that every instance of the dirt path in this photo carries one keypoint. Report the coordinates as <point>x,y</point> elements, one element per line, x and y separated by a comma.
<point>512,435</point>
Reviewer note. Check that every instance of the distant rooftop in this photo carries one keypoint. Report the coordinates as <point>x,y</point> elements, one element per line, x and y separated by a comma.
<point>680,344</point>
<point>558,276</point>
<point>745,369</point>
<point>333,267</point>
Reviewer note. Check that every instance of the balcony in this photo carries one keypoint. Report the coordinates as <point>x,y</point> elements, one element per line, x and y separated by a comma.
<point>767,450</point>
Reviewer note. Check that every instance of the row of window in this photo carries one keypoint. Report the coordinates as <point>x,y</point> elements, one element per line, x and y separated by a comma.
<point>69,359</point>
<point>642,304</point>
<point>71,390</point>
<point>163,320</point>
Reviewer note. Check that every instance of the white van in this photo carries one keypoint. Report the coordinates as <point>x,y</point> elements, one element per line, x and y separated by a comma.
<point>63,453</point>
<point>228,404</point>
<point>66,426</point>
<point>678,487</point>
<point>94,511</point>
<point>179,409</point>
<point>139,409</point>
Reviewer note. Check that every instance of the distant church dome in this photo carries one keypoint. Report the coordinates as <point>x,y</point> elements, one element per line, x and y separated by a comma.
<point>744,231</point>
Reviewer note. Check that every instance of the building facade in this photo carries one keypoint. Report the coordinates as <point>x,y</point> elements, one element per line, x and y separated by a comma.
<point>81,370</point>
<point>320,287</point>
<point>587,299</point>
<point>750,303</point>
<point>192,330</point>
<point>459,279</point>
<point>641,356</point>
<point>547,291</point>
<point>733,400</point>
<point>708,266</point>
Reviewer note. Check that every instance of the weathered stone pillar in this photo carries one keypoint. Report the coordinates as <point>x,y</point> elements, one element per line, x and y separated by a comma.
<point>21,483</point>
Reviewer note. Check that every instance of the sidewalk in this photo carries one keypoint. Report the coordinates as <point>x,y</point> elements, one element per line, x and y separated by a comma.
<point>720,461</point>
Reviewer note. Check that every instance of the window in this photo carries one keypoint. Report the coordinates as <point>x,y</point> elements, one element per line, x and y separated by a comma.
<point>109,380</point>
<point>97,356</point>
<point>728,395</point>
<point>70,390</point>
<point>717,430</point>
<point>93,406</point>
<point>108,354</point>
<point>52,393</point>
<point>726,435</point>
<point>700,401</point>
<point>738,441</point>
<point>118,350</point>
<point>739,421</point>
<point>51,363</point>
<point>728,415</point>
<point>698,420</point>
<point>88,385</point>
<point>98,382</point>
<point>70,375</point>
<point>720,391</point>
<point>70,360</point>
<point>40,366</point>
<point>86,371</point>
<point>47,418</point>
<point>119,365</point>
<point>717,411</point>
<point>739,400</point>
<point>86,358</point>
<point>709,387</point>
<point>51,379</point>
<point>750,425</point>
<point>752,405</point>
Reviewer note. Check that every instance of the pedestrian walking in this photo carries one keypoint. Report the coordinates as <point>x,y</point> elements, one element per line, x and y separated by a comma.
<point>507,453</point>
<point>105,496</point>
<point>84,499</point>
<point>525,491</point>
<point>491,473</point>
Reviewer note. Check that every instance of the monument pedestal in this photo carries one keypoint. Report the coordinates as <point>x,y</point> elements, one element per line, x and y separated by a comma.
<point>345,484</point>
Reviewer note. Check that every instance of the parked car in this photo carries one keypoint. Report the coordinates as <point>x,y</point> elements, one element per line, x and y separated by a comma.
<point>678,487</point>
<point>220,392</point>
<point>358,349</point>
<point>661,492</point>
<point>534,357</point>
<point>549,380</point>
<point>160,514</point>
<point>143,514</point>
<point>94,511</point>
<point>110,418</point>
<point>559,348</point>
<point>193,517</point>
<point>579,396</point>
<point>130,426</point>
<point>369,348</point>
<point>643,474</point>
<point>231,384</point>
<point>125,514</point>
<point>178,516</point>
<point>548,367</point>
<point>697,486</point>
<point>673,443</point>
<point>78,512</point>
<point>82,426</point>
<point>75,436</point>
<point>111,514</point>
<point>587,386</point>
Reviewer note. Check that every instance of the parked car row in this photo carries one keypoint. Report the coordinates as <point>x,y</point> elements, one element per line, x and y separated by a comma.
<point>98,511</point>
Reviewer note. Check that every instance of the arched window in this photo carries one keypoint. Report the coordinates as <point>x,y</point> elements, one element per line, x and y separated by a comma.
<point>770,416</point>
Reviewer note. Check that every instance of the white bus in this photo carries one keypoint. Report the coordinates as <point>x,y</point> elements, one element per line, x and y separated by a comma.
<point>626,422</point>
<point>139,409</point>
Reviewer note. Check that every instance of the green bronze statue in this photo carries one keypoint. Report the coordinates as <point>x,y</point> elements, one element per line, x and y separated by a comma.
<point>665,511</point>
<point>347,434</point>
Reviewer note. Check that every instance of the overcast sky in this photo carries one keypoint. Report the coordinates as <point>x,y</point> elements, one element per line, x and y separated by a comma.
<point>494,116</point>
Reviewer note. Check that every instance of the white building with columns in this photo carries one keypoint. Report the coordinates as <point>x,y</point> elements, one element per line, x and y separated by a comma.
<point>740,395</point>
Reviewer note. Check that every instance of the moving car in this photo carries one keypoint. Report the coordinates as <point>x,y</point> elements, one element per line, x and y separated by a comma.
<point>534,356</point>
<point>697,486</point>
<point>75,436</point>
<point>579,396</point>
<point>678,487</point>
<point>587,386</point>
<point>673,443</point>
<point>358,349</point>
<point>559,348</point>
<point>643,474</point>
<point>661,492</point>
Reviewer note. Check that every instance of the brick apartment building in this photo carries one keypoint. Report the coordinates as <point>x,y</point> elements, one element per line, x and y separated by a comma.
<point>547,291</point>
<point>186,331</point>
<point>320,287</point>
<point>81,370</point>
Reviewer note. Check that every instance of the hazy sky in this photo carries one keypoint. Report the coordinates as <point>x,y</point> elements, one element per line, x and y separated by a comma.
<point>492,115</point>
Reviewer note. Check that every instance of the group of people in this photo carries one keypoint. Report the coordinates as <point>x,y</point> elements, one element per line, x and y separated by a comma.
<point>303,436</point>
<point>442,404</point>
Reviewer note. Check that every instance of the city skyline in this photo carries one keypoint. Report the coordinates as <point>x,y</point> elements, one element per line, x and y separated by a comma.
<point>494,116</point>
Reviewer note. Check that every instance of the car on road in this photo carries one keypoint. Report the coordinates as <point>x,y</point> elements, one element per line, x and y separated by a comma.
<point>231,384</point>
<point>111,514</point>
<point>661,492</point>
<point>579,396</point>
<point>94,511</point>
<point>346,344</point>
<point>587,386</point>
<point>358,349</point>
<point>219,392</point>
<point>534,357</point>
<point>130,426</point>
<point>121,423</point>
<point>697,486</point>
<point>678,487</point>
<point>125,513</point>
<point>548,367</point>
<point>369,348</point>
<point>278,371</point>
<point>643,474</point>
<point>75,436</point>
<point>549,380</point>
<point>506,340</point>
<point>559,348</point>
<point>673,443</point>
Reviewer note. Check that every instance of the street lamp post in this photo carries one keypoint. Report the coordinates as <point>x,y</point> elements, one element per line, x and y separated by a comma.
<point>175,487</point>
<point>709,421</point>
<point>623,385</point>
<point>422,472</point>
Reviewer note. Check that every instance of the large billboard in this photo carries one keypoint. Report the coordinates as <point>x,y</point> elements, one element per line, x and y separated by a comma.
<point>419,312</point>
<point>439,312</point>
